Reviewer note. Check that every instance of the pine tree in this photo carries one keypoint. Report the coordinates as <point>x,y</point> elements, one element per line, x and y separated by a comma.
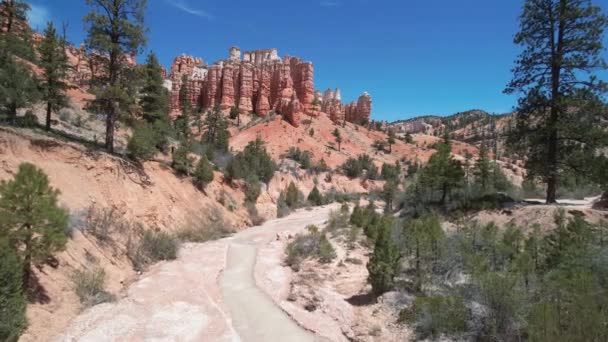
<point>388,194</point>
<point>31,218</point>
<point>291,196</point>
<point>182,123</point>
<point>203,174</point>
<point>390,140</point>
<point>155,97</point>
<point>384,262</point>
<point>483,169</point>
<point>442,172</point>
<point>181,160</point>
<point>14,11</point>
<point>216,127</point>
<point>18,87</point>
<point>315,196</point>
<point>338,137</point>
<point>563,43</point>
<point>54,63</point>
<point>115,29</point>
<point>12,297</point>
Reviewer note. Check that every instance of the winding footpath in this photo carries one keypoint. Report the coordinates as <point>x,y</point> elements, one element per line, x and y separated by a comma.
<point>208,294</point>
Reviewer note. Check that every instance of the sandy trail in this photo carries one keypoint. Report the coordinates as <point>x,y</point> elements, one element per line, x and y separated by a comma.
<point>207,294</point>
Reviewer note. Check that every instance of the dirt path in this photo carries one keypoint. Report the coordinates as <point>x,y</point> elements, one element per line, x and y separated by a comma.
<point>208,293</point>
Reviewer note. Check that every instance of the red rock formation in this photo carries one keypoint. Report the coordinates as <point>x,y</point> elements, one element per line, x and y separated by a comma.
<point>260,82</point>
<point>246,90</point>
<point>228,85</point>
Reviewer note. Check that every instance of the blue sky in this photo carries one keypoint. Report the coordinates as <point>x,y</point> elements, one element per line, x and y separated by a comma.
<point>415,57</point>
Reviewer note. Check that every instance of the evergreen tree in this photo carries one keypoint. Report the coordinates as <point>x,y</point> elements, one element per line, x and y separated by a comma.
<point>252,164</point>
<point>291,195</point>
<point>18,87</point>
<point>182,162</point>
<point>483,169</point>
<point>442,172</point>
<point>315,197</point>
<point>54,63</point>
<point>235,114</point>
<point>182,123</point>
<point>12,297</point>
<point>203,174</point>
<point>115,29</point>
<point>31,218</point>
<point>390,140</point>
<point>338,137</point>
<point>142,144</point>
<point>423,244</point>
<point>559,114</point>
<point>216,126</point>
<point>154,96</point>
<point>384,262</point>
<point>388,194</point>
<point>14,11</point>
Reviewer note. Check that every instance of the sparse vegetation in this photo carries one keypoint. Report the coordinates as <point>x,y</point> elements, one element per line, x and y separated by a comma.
<point>313,244</point>
<point>151,248</point>
<point>89,285</point>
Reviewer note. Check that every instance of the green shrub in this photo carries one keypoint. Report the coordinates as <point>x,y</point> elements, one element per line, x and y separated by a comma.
<point>203,173</point>
<point>201,229</point>
<point>182,162</point>
<point>436,315</point>
<point>313,244</point>
<point>315,197</point>
<point>282,207</point>
<point>302,157</point>
<point>153,247</point>
<point>326,252</point>
<point>12,299</point>
<point>253,190</point>
<point>253,163</point>
<point>354,168</point>
<point>89,286</point>
<point>29,120</point>
<point>292,196</point>
<point>142,144</point>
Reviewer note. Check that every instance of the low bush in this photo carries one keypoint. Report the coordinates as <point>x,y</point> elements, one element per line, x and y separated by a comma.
<point>153,247</point>
<point>282,207</point>
<point>182,162</point>
<point>354,168</point>
<point>313,244</point>
<point>89,286</point>
<point>436,315</point>
<point>101,222</point>
<point>253,190</point>
<point>200,229</point>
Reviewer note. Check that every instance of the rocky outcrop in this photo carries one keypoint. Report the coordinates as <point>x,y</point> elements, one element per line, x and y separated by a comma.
<point>257,82</point>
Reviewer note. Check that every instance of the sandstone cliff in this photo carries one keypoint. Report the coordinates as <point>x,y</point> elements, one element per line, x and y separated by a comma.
<point>260,82</point>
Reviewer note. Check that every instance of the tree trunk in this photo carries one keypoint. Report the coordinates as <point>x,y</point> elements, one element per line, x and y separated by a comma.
<point>444,194</point>
<point>12,111</point>
<point>27,261</point>
<point>48,116</point>
<point>553,148</point>
<point>110,122</point>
